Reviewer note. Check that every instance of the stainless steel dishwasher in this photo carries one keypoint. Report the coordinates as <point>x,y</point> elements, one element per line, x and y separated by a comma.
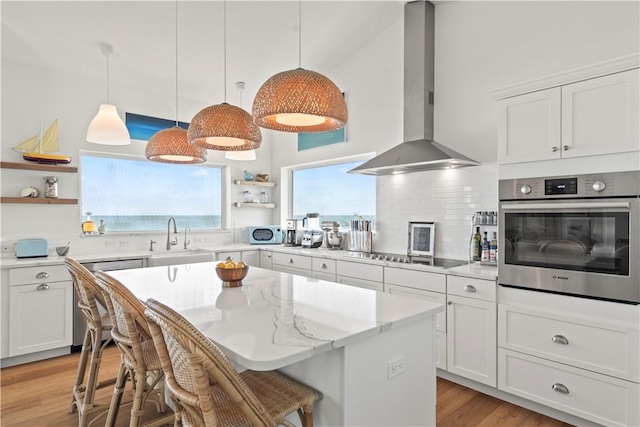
<point>79,321</point>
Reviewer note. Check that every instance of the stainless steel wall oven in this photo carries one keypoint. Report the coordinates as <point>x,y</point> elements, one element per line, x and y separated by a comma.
<point>576,235</point>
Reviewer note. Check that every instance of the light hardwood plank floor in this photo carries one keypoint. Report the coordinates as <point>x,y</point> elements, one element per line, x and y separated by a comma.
<point>38,395</point>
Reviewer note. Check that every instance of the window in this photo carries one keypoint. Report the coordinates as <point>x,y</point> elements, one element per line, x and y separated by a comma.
<point>132,194</point>
<point>334,193</point>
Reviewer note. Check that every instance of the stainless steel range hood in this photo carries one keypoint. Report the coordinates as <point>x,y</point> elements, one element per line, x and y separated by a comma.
<point>420,152</point>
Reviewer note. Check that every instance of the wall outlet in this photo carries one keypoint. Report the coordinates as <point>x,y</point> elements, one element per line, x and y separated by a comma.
<point>110,243</point>
<point>208,239</point>
<point>124,242</point>
<point>395,366</point>
<point>198,239</point>
<point>7,247</point>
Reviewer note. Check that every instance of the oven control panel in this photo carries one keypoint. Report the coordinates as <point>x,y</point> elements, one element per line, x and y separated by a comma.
<point>612,184</point>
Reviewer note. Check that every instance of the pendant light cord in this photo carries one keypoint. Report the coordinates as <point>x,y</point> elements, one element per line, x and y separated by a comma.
<point>299,33</point>
<point>177,115</point>
<point>224,26</point>
<point>107,55</point>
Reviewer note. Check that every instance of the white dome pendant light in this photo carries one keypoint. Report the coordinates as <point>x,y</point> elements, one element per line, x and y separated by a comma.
<point>299,100</point>
<point>240,152</point>
<point>107,127</point>
<point>171,145</point>
<point>224,127</point>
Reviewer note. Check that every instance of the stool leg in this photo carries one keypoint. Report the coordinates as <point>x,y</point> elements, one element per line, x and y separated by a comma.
<point>139,383</point>
<point>82,368</point>
<point>118,390</point>
<point>94,368</point>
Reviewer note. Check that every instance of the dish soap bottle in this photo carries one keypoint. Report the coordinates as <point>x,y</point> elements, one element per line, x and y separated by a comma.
<point>102,227</point>
<point>88,226</point>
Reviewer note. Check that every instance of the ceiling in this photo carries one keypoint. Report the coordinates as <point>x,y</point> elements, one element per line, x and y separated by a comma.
<point>261,40</point>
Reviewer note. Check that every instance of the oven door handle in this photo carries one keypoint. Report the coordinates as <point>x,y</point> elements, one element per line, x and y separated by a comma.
<point>565,205</point>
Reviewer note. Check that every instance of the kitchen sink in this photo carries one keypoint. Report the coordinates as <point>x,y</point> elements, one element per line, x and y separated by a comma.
<point>171,258</point>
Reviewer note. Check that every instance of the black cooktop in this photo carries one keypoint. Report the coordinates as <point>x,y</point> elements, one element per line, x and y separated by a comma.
<point>404,259</point>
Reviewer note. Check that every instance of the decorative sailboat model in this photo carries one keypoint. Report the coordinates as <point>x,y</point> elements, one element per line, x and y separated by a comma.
<point>35,148</point>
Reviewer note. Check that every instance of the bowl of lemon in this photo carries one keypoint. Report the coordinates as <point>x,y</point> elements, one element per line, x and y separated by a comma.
<point>231,273</point>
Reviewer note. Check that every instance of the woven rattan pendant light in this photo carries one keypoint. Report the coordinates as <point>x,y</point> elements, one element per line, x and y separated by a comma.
<point>299,100</point>
<point>224,127</point>
<point>107,127</point>
<point>240,152</point>
<point>171,145</point>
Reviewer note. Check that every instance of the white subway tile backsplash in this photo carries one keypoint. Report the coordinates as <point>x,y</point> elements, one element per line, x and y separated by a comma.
<point>447,197</point>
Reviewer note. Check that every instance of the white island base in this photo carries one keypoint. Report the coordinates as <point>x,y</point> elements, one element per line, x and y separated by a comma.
<point>356,385</point>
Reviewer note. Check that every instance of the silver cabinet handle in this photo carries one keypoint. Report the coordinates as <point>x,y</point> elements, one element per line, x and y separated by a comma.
<point>323,266</point>
<point>42,275</point>
<point>43,287</point>
<point>565,147</point>
<point>290,261</point>
<point>554,149</point>
<point>560,339</point>
<point>449,303</point>
<point>470,288</point>
<point>560,388</point>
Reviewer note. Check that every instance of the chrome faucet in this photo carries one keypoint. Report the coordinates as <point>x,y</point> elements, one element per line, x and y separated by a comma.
<point>151,245</point>
<point>175,231</point>
<point>186,242</point>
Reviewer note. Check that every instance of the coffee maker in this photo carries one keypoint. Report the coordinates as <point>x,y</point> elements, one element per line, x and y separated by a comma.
<point>291,237</point>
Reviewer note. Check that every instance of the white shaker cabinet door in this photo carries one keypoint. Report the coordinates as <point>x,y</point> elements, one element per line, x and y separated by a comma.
<point>601,115</point>
<point>529,127</point>
<point>471,339</point>
<point>251,258</point>
<point>40,317</point>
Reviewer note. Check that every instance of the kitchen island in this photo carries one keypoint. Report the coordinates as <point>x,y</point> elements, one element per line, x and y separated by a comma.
<point>371,354</point>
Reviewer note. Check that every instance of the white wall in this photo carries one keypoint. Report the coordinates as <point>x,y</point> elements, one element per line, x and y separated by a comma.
<point>33,97</point>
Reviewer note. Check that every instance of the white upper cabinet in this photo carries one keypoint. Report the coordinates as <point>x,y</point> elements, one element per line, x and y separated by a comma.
<point>529,127</point>
<point>601,115</point>
<point>588,118</point>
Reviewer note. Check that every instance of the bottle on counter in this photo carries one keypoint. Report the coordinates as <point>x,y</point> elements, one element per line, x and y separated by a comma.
<point>102,227</point>
<point>484,255</point>
<point>88,226</point>
<point>493,248</point>
<point>477,245</point>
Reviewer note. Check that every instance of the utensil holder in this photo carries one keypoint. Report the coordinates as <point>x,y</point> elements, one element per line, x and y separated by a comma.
<point>359,241</point>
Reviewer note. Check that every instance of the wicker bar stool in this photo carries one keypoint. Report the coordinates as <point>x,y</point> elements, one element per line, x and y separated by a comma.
<point>83,393</point>
<point>139,358</point>
<point>206,388</point>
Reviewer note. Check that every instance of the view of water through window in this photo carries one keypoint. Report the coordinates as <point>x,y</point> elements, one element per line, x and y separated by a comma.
<point>139,195</point>
<point>335,194</point>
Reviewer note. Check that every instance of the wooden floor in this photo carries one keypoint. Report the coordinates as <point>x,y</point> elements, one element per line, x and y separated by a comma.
<point>38,395</point>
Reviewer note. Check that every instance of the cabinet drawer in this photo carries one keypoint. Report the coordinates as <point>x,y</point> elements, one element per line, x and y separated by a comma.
<point>599,398</point>
<point>608,348</point>
<point>416,279</point>
<point>361,283</point>
<point>471,288</point>
<point>329,277</point>
<point>323,265</point>
<point>297,261</point>
<point>441,318</point>
<point>360,270</point>
<point>292,270</point>
<point>49,273</point>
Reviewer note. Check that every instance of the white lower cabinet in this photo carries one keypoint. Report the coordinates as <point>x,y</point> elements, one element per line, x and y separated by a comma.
<point>40,309</point>
<point>266,260</point>
<point>577,355</point>
<point>323,269</point>
<point>360,274</point>
<point>234,255</point>
<point>251,258</point>
<point>472,329</point>
<point>599,398</point>
<point>292,264</point>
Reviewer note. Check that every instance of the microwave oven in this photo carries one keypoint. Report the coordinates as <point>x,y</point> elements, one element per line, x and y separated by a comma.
<point>421,239</point>
<point>265,235</point>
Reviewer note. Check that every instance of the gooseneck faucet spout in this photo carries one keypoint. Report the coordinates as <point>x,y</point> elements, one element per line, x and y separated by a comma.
<point>186,242</point>
<point>175,231</point>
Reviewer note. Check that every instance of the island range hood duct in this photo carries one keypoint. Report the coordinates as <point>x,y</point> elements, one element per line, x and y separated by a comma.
<point>419,152</point>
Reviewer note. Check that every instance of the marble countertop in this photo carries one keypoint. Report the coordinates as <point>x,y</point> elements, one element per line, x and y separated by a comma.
<point>474,270</point>
<point>274,319</point>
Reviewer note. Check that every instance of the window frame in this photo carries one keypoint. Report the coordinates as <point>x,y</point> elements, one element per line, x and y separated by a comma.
<point>225,170</point>
<point>286,178</point>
